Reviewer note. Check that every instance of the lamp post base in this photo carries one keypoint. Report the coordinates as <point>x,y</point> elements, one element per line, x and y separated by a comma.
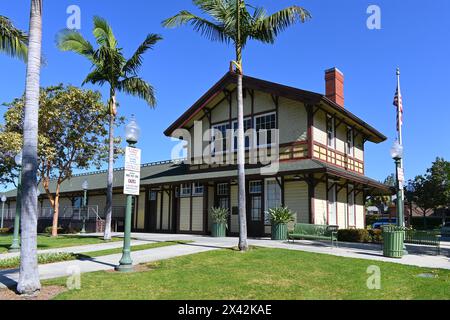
<point>124,268</point>
<point>15,247</point>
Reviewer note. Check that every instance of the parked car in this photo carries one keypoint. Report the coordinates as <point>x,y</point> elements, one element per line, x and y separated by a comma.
<point>384,222</point>
<point>445,230</point>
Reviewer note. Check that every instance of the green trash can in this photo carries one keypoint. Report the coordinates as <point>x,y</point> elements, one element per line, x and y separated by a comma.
<point>279,232</point>
<point>393,242</point>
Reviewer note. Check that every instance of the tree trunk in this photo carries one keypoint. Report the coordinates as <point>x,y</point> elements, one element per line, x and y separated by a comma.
<point>55,216</point>
<point>29,283</point>
<point>109,191</point>
<point>243,245</point>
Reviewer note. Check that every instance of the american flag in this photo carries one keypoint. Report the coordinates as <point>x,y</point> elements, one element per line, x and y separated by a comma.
<point>398,102</point>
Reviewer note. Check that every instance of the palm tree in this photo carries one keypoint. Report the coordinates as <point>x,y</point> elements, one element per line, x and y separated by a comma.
<point>13,41</point>
<point>233,23</point>
<point>110,67</point>
<point>29,276</point>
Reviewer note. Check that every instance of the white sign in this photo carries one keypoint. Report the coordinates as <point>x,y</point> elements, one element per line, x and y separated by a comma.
<point>133,159</point>
<point>132,175</point>
<point>132,184</point>
<point>401,175</point>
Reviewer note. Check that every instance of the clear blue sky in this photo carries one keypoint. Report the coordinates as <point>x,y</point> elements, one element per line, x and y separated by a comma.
<point>414,36</point>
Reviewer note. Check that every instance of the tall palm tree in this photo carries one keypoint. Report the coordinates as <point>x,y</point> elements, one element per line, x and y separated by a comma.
<point>121,75</point>
<point>232,22</point>
<point>13,41</point>
<point>29,282</point>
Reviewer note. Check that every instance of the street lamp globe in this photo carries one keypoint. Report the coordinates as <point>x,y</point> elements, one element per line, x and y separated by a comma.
<point>4,198</point>
<point>85,185</point>
<point>397,151</point>
<point>18,159</point>
<point>132,131</point>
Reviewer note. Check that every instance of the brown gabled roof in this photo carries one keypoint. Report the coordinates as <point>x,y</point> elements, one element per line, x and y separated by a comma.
<point>304,96</point>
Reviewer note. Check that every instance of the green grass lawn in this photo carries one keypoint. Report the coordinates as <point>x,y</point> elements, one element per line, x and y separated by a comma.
<point>47,242</point>
<point>261,274</point>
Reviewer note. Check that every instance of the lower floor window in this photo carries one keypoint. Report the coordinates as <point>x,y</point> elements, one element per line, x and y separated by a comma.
<point>332,205</point>
<point>256,208</point>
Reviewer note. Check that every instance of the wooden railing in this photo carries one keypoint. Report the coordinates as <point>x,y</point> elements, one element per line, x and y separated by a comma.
<point>338,158</point>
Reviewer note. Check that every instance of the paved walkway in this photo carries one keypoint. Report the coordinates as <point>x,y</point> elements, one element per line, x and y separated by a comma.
<point>420,256</point>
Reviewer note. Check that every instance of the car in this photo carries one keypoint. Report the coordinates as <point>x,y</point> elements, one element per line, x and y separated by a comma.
<point>445,230</point>
<point>384,222</point>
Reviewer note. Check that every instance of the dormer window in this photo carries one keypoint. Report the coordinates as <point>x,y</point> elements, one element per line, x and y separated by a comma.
<point>331,132</point>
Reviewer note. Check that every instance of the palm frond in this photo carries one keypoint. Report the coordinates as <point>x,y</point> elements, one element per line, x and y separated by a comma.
<point>13,42</point>
<point>70,40</point>
<point>210,30</point>
<point>96,77</point>
<point>139,88</point>
<point>274,24</point>
<point>103,33</point>
<point>135,62</point>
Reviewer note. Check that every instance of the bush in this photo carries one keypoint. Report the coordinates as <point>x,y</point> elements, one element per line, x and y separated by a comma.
<point>12,263</point>
<point>376,236</point>
<point>61,230</point>
<point>5,230</point>
<point>354,235</point>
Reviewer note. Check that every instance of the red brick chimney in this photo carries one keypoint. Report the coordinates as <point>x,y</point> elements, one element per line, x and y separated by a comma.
<point>334,80</point>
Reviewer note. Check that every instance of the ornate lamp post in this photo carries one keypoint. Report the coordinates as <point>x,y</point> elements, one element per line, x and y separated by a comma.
<point>85,187</point>
<point>132,134</point>
<point>3,209</point>
<point>397,155</point>
<point>15,246</point>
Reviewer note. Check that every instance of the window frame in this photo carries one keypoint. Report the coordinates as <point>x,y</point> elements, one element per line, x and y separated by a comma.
<point>225,147</point>
<point>183,187</point>
<point>266,199</point>
<point>331,142</point>
<point>195,187</point>
<point>246,137</point>
<point>350,150</point>
<point>255,139</point>
<point>218,193</point>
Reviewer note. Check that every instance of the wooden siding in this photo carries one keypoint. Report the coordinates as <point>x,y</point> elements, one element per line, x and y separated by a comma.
<point>296,199</point>
<point>234,227</point>
<point>185,214</point>
<point>197,214</point>
<point>321,204</point>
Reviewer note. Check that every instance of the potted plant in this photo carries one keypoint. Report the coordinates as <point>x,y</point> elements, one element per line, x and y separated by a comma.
<point>220,222</point>
<point>280,217</point>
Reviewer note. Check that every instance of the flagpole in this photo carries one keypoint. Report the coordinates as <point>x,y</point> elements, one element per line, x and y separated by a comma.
<point>400,125</point>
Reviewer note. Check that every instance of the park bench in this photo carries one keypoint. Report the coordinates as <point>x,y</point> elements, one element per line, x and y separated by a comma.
<point>426,238</point>
<point>314,232</point>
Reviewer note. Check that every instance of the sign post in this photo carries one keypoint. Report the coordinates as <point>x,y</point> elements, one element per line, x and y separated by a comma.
<point>131,188</point>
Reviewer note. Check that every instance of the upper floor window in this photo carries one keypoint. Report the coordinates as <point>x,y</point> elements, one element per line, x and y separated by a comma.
<point>331,139</point>
<point>247,126</point>
<point>350,145</point>
<point>265,122</point>
<point>198,189</point>
<point>219,138</point>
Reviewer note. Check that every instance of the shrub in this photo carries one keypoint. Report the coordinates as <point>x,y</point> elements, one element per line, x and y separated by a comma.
<point>220,215</point>
<point>354,235</point>
<point>48,230</point>
<point>5,230</point>
<point>376,236</point>
<point>12,263</point>
<point>282,215</point>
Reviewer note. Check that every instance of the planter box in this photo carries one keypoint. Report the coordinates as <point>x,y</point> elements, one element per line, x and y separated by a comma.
<point>279,232</point>
<point>219,230</point>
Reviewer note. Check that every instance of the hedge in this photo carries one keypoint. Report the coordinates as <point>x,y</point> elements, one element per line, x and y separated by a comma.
<point>360,236</point>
